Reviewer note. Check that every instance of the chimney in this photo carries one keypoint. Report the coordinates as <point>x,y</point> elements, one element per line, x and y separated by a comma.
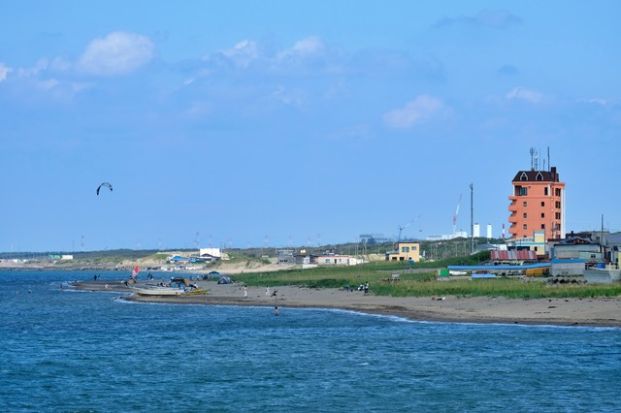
<point>554,174</point>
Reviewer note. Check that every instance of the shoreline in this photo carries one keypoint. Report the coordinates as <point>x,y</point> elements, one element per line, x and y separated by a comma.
<point>591,312</point>
<point>386,310</point>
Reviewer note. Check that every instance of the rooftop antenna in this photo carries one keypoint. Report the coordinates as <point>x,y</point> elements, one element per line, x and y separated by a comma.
<point>549,159</point>
<point>532,158</point>
<point>471,218</point>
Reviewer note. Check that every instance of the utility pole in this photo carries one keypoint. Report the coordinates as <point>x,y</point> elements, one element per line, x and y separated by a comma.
<point>471,218</point>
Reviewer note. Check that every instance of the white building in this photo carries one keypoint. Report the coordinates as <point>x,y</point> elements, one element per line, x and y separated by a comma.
<point>338,260</point>
<point>476,230</point>
<point>214,252</point>
<point>489,231</point>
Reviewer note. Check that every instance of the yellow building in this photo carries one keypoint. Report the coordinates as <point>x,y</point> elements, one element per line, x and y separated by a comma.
<point>404,251</point>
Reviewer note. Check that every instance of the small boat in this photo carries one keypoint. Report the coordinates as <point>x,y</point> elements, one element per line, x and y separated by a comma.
<point>158,291</point>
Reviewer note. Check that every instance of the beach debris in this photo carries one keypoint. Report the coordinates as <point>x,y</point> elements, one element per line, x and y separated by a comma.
<point>106,184</point>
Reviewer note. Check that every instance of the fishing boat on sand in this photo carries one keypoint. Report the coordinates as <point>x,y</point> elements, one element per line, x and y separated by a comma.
<point>158,291</point>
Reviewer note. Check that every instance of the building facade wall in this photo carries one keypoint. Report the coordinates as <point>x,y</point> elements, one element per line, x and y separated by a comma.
<point>405,251</point>
<point>537,205</point>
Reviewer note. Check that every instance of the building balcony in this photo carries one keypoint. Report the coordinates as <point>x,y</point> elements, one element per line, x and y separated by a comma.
<point>513,219</point>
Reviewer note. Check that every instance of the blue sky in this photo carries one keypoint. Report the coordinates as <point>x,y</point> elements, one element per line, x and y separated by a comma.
<point>252,123</point>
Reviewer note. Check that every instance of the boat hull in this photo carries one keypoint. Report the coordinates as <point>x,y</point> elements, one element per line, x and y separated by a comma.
<point>159,291</point>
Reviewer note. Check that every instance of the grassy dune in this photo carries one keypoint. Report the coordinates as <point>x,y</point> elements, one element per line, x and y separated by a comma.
<point>420,280</point>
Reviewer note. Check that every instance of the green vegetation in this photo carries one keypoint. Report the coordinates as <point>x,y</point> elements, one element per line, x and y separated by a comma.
<point>501,287</point>
<point>420,280</point>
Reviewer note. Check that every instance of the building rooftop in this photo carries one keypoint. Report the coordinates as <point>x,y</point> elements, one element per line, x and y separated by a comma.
<point>534,176</point>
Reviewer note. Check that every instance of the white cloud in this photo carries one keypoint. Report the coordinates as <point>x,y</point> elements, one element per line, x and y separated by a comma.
<point>243,53</point>
<point>416,111</point>
<point>597,101</point>
<point>57,64</point>
<point>4,71</point>
<point>527,95</point>
<point>115,54</point>
<point>305,48</point>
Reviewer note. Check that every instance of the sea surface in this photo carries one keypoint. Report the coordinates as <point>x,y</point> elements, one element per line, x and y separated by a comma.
<point>78,351</point>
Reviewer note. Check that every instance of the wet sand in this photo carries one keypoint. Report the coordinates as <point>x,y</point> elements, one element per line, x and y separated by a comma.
<point>557,311</point>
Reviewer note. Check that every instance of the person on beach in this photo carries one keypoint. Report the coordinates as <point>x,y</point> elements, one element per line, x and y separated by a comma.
<point>245,291</point>
<point>366,288</point>
<point>267,291</point>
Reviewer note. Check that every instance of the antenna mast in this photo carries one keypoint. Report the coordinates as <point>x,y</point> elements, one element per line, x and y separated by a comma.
<point>471,218</point>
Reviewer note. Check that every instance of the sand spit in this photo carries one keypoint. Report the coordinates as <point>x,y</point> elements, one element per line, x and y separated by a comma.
<point>559,311</point>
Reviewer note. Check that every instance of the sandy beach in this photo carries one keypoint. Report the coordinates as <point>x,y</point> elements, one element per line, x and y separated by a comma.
<point>570,311</point>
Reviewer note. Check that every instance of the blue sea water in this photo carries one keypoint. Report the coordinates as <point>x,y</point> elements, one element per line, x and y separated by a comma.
<point>77,351</point>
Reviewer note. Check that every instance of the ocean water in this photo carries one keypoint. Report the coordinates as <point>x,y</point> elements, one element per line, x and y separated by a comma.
<point>77,351</point>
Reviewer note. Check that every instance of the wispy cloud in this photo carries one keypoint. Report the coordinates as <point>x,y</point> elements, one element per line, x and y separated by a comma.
<point>414,112</point>
<point>526,95</point>
<point>117,53</point>
<point>243,53</point>
<point>598,101</point>
<point>497,19</point>
<point>287,97</point>
<point>248,54</point>
<point>4,71</point>
<point>308,47</point>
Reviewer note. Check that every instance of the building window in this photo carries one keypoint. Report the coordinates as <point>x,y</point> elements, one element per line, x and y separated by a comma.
<point>543,226</point>
<point>525,204</point>
<point>545,191</point>
<point>557,215</point>
<point>524,226</point>
<point>557,192</point>
<point>558,204</point>
<point>414,248</point>
<point>524,215</point>
<point>543,215</point>
<point>405,249</point>
<point>523,191</point>
<point>543,204</point>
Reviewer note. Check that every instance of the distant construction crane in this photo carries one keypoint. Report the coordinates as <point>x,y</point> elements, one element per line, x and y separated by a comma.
<point>456,215</point>
<point>401,228</point>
